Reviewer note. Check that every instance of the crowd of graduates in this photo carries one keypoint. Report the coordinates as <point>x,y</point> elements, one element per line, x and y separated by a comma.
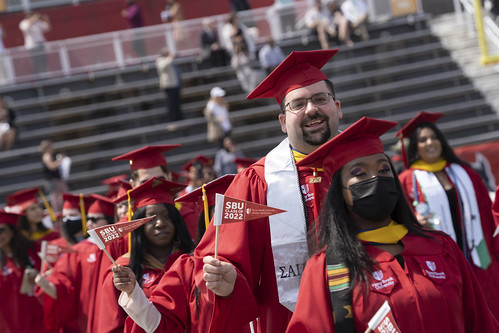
<point>421,242</point>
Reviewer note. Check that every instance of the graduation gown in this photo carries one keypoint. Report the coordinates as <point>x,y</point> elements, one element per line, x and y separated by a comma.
<point>77,279</point>
<point>487,278</point>
<point>18,313</point>
<point>111,316</point>
<point>186,305</point>
<point>436,292</point>
<point>247,245</point>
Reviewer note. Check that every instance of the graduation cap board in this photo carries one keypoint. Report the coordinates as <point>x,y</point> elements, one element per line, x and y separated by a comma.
<point>146,157</point>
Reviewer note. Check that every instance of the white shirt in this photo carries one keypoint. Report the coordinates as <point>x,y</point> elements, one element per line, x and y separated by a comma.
<point>221,113</point>
<point>33,35</point>
<point>270,56</point>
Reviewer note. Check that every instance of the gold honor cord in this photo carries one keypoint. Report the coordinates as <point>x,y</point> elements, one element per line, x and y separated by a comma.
<point>129,213</point>
<point>47,205</point>
<point>205,206</point>
<point>83,215</point>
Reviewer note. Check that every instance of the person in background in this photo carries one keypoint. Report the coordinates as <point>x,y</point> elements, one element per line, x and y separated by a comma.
<point>147,162</point>
<point>210,45</point>
<point>154,247</point>
<point>357,15</point>
<point>19,311</point>
<point>8,128</point>
<point>225,158</point>
<point>122,206</point>
<point>170,83</point>
<point>70,293</point>
<point>448,195</point>
<point>270,56</point>
<point>72,221</point>
<point>133,14</point>
<point>340,23</point>
<point>113,185</point>
<point>232,31</point>
<point>217,117</point>
<point>241,62</point>
<point>55,184</point>
<point>372,250</point>
<point>31,219</point>
<point>309,115</point>
<point>34,26</point>
<point>317,18</point>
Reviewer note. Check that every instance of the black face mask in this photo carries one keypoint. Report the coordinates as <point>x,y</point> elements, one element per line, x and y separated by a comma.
<point>71,224</point>
<point>374,199</point>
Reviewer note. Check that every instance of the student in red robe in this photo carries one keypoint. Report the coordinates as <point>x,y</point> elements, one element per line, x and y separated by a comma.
<point>448,195</point>
<point>372,249</point>
<point>26,203</point>
<point>19,312</point>
<point>155,247</point>
<point>72,288</point>
<point>272,252</point>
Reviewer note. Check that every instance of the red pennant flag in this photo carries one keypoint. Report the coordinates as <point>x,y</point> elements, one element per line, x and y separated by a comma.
<point>52,252</point>
<point>229,210</point>
<point>383,320</point>
<point>105,235</point>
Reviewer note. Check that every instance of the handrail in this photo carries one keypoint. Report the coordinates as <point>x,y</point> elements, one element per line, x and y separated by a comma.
<point>119,49</point>
<point>25,5</point>
<point>488,30</point>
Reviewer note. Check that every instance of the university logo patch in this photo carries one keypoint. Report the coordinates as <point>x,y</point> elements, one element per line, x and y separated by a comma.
<point>378,275</point>
<point>431,265</point>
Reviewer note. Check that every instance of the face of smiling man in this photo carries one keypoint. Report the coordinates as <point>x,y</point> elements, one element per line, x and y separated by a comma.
<point>314,125</point>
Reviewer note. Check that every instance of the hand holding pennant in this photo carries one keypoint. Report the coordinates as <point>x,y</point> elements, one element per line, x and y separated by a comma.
<point>105,235</point>
<point>229,210</point>
<point>383,321</point>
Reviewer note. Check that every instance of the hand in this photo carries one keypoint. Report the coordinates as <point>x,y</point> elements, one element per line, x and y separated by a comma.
<point>124,279</point>
<point>423,220</point>
<point>47,286</point>
<point>220,276</point>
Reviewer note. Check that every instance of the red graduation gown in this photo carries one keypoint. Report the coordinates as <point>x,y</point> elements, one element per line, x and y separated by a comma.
<point>187,305</point>
<point>487,278</point>
<point>436,292</point>
<point>247,245</point>
<point>111,315</point>
<point>18,313</point>
<point>77,279</point>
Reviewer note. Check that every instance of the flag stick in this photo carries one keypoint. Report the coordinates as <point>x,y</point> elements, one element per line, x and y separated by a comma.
<point>110,258</point>
<point>368,330</point>
<point>216,241</point>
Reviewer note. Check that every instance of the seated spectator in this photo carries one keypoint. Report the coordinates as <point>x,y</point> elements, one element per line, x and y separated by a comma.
<point>233,31</point>
<point>210,45</point>
<point>248,77</point>
<point>340,23</point>
<point>225,158</point>
<point>8,128</point>
<point>356,13</point>
<point>270,56</point>
<point>317,18</point>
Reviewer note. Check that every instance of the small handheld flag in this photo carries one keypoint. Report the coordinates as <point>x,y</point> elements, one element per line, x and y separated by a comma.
<point>383,321</point>
<point>105,235</point>
<point>51,252</point>
<point>230,210</point>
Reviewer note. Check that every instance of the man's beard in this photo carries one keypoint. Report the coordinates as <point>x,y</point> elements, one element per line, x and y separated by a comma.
<point>316,138</point>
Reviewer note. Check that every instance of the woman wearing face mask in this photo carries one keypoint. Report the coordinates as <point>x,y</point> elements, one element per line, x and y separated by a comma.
<point>17,253</point>
<point>374,250</point>
<point>154,247</point>
<point>447,195</point>
<point>26,203</point>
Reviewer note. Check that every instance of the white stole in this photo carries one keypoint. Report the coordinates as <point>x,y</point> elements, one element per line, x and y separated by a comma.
<point>436,198</point>
<point>288,230</point>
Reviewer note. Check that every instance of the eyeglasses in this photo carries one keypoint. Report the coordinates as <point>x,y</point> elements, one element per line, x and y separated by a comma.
<point>299,104</point>
<point>95,219</point>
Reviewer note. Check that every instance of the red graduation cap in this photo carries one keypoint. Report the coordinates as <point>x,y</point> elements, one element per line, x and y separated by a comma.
<point>360,139</point>
<point>205,161</point>
<point>146,157</point>
<point>125,186</point>
<point>406,131</point>
<point>244,162</point>
<point>113,184</point>
<point>101,205</point>
<point>153,191</point>
<point>8,218</point>
<point>218,185</point>
<point>299,69</point>
<point>18,201</point>
<point>72,201</point>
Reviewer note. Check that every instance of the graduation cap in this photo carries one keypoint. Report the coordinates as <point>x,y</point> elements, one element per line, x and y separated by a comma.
<point>205,161</point>
<point>407,130</point>
<point>17,202</point>
<point>72,201</point>
<point>153,191</point>
<point>146,157</point>
<point>8,218</point>
<point>101,205</point>
<point>218,185</point>
<point>244,162</point>
<point>125,186</point>
<point>299,69</point>
<point>360,139</point>
<point>113,184</point>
